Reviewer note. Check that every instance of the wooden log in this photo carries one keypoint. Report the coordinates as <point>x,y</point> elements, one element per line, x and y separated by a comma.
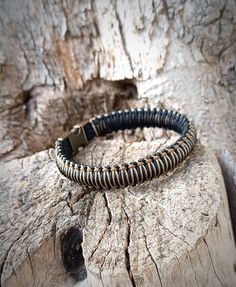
<point>172,231</point>
<point>57,68</point>
<point>62,62</point>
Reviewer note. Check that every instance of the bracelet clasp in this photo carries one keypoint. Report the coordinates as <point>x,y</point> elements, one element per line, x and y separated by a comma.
<point>77,137</point>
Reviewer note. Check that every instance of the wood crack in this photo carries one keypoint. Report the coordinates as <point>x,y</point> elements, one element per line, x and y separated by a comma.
<point>105,230</point>
<point>96,247</point>
<point>179,269</point>
<point>212,263</point>
<point>194,271</point>
<point>150,254</point>
<point>108,208</point>
<point>176,236</point>
<point>31,265</point>
<point>165,7</point>
<point>7,253</point>
<point>69,204</point>
<point>103,262</point>
<point>127,254</point>
<point>123,40</point>
<point>53,235</point>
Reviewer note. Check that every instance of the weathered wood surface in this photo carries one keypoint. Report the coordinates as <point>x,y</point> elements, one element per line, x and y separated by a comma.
<point>227,162</point>
<point>56,57</point>
<point>62,62</point>
<point>173,231</point>
<point>180,55</point>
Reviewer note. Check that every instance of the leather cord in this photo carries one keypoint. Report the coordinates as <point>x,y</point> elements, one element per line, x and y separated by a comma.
<point>122,175</point>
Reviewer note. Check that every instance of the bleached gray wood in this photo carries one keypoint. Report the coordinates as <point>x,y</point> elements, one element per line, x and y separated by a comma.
<point>62,62</point>
<point>173,231</point>
<point>53,53</point>
<point>228,166</point>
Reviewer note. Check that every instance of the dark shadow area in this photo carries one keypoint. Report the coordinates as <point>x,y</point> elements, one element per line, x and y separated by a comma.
<point>72,254</point>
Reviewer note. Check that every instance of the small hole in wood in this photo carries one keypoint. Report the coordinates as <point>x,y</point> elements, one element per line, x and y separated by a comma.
<point>128,92</point>
<point>72,253</point>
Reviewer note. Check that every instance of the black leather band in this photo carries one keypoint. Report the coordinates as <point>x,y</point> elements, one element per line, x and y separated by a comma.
<point>115,176</point>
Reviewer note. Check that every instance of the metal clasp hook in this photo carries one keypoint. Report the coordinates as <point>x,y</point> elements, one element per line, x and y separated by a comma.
<point>77,137</point>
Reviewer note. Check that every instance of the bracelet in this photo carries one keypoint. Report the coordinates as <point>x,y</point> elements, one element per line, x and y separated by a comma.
<point>115,176</point>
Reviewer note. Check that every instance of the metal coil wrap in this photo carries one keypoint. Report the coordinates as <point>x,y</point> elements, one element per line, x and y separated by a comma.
<point>115,176</point>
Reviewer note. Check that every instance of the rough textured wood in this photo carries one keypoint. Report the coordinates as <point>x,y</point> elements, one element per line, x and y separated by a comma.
<point>173,231</point>
<point>62,62</point>
<point>180,55</point>
<point>228,167</point>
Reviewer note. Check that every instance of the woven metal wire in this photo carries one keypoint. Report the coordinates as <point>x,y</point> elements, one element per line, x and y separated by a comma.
<point>115,176</point>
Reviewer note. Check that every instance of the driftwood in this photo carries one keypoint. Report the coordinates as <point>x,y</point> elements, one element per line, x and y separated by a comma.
<point>62,62</point>
<point>172,231</point>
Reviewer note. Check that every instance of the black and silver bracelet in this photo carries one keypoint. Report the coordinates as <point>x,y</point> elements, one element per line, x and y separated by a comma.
<point>115,176</point>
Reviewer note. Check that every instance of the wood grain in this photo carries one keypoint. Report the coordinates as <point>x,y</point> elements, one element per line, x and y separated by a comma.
<point>173,230</point>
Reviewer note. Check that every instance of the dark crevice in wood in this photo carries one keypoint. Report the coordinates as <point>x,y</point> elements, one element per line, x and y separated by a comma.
<point>127,85</point>
<point>26,97</point>
<point>31,265</point>
<point>72,253</point>
<point>53,234</point>
<point>165,7</point>
<point>128,92</point>
<point>108,95</point>
<point>69,204</point>
<point>65,83</point>
<point>108,208</point>
<point>127,254</point>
